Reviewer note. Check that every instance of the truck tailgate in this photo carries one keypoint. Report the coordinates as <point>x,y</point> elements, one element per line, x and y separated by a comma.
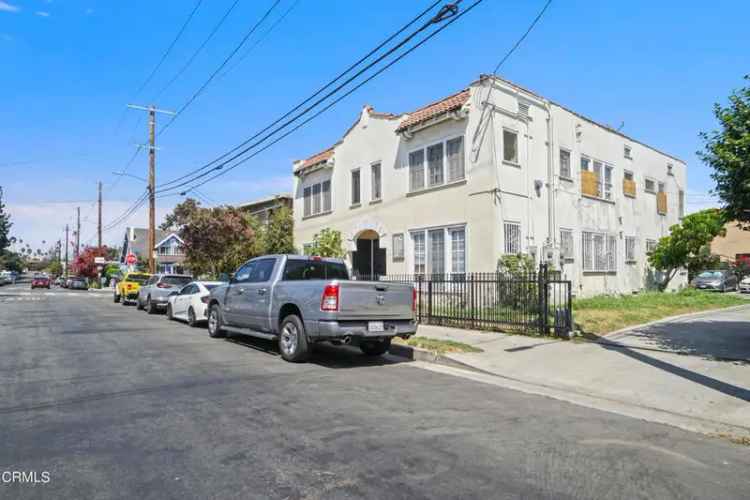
<point>375,300</point>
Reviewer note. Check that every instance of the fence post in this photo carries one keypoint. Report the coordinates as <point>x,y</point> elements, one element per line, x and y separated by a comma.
<point>419,298</point>
<point>429,301</point>
<point>473,308</point>
<point>543,282</point>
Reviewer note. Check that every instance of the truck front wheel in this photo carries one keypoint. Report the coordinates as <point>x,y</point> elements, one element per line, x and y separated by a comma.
<point>375,347</point>
<point>293,339</point>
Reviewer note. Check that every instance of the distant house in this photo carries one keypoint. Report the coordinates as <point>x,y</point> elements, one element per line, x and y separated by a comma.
<point>265,207</point>
<point>734,246</point>
<point>169,250</point>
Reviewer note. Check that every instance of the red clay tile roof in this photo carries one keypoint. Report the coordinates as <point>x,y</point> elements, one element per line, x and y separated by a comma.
<point>316,159</point>
<point>445,105</point>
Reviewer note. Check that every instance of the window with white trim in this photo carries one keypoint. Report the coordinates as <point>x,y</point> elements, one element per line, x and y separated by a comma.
<point>377,191</point>
<point>439,250</point>
<point>608,169</point>
<point>649,185</point>
<point>627,152</point>
<point>630,243</point>
<point>445,160</point>
<point>317,198</point>
<point>628,175</point>
<point>599,252</point>
<point>398,246</point>
<point>565,164</point>
<point>356,191</point>
<point>510,146</point>
<point>660,187</point>
<point>416,170</point>
<point>566,244</point>
<point>512,237</point>
<point>650,246</point>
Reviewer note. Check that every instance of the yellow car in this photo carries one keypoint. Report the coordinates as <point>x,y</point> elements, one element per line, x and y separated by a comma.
<point>127,288</point>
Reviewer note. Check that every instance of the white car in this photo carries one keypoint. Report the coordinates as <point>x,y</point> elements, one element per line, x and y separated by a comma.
<point>745,285</point>
<point>189,304</point>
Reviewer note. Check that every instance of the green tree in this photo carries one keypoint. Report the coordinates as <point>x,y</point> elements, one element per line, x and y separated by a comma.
<point>5,225</point>
<point>55,268</point>
<point>12,261</point>
<point>727,152</point>
<point>328,243</point>
<point>278,236</point>
<point>685,245</point>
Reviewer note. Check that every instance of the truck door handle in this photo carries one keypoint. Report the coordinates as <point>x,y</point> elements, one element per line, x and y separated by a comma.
<point>261,291</point>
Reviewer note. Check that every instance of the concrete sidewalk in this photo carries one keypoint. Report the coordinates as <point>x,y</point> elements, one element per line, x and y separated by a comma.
<point>689,391</point>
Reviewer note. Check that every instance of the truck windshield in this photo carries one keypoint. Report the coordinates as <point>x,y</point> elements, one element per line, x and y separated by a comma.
<point>297,270</point>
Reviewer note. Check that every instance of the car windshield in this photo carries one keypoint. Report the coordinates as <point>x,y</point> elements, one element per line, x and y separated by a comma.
<point>710,274</point>
<point>176,280</point>
<point>138,278</point>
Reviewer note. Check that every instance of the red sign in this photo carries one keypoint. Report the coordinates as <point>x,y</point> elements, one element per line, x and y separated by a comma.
<point>130,259</point>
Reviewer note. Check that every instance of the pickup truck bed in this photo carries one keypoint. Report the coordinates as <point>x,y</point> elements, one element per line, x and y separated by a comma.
<point>300,300</point>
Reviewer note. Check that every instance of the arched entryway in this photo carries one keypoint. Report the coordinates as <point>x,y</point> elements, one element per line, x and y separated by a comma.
<point>368,259</point>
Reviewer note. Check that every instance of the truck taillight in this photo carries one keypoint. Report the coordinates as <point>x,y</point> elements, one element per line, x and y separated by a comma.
<point>330,299</point>
<point>414,300</point>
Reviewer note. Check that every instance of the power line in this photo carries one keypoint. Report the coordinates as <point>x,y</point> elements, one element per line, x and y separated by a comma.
<point>197,51</point>
<point>221,67</point>
<point>326,108</point>
<point>308,99</point>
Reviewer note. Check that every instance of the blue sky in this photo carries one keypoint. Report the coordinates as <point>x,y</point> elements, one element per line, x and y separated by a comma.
<point>69,67</point>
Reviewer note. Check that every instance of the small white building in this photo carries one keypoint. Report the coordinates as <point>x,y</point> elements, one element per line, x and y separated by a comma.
<point>493,169</point>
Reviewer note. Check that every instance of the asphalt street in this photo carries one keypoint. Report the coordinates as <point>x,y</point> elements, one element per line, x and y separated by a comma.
<point>115,403</point>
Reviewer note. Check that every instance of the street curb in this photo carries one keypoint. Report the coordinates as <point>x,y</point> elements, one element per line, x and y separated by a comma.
<point>627,329</point>
<point>417,354</point>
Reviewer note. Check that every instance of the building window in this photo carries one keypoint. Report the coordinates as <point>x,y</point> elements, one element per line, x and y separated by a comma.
<point>419,252</point>
<point>608,182</point>
<point>317,199</point>
<point>416,170</point>
<point>681,201</point>
<point>627,152</point>
<point>566,244</point>
<point>436,258</point>
<point>649,185</point>
<point>599,252</point>
<point>650,246</point>
<point>435,164</point>
<point>326,196</point>
<point>628,175</point>
<point>455,150</point>
<point>512,233</point>
<point>398,246</point>
<point>585,163</point>
<point>565,164</point>
<point>630,249</point>
<point>458,251</point>
<point>510,146</point>
<point>356,194</point>
<point>376,184</point>
<point>660,187</point>
<point>308,201</point>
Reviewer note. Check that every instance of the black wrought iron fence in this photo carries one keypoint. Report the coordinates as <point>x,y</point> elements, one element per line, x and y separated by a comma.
<point>535,302</point>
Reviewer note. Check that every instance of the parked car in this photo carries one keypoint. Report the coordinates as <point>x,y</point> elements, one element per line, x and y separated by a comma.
<point>127,288</point>
<point>40,281</point>
<point>154,293</point>
<point>745,285</point>
<point>59,281</point>
<point>191,302</point>
<point>8,277</point>
<point>299,300</point>
<point>79,283</point>
<point>720,280</point>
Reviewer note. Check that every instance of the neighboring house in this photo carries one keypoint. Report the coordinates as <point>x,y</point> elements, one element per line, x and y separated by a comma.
<point>734,246</point>
<point>169,251</point>
<point>493,169</point>
<point>265,207</point>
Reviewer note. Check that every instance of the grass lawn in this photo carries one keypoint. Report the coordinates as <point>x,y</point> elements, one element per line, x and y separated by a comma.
<point>608,313</point>
<point>436,345</point>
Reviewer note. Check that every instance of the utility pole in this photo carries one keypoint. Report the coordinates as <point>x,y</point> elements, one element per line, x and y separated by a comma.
<point>78,232</point>
<point>151,179</point>
<point>99,224</point>
<point>67,244</point>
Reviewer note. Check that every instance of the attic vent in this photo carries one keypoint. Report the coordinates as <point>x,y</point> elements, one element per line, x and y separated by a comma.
<point>523,110</point>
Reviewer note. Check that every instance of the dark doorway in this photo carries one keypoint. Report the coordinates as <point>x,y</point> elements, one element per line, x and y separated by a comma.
<point>369,260</point>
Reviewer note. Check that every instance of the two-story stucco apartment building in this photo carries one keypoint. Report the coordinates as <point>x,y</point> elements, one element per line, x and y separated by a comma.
<point>493,169</point>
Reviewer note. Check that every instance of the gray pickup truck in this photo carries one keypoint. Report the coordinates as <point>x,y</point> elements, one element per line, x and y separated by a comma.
<point>300,300</point>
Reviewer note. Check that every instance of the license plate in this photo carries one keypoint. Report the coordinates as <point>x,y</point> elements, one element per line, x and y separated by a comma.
<point>375,326</point>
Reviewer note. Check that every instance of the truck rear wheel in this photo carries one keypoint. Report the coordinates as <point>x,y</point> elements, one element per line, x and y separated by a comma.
<point>375,347</point>
<point>214,323</point>
<point>293,339</point>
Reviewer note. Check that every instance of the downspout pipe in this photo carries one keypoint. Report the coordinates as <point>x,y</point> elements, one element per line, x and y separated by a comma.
<point>550,179</point>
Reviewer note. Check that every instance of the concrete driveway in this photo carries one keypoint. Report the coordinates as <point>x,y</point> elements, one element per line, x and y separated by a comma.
<point>715,335</point>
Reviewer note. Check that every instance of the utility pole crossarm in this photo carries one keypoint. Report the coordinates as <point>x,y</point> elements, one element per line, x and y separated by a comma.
<point>151,108</point>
